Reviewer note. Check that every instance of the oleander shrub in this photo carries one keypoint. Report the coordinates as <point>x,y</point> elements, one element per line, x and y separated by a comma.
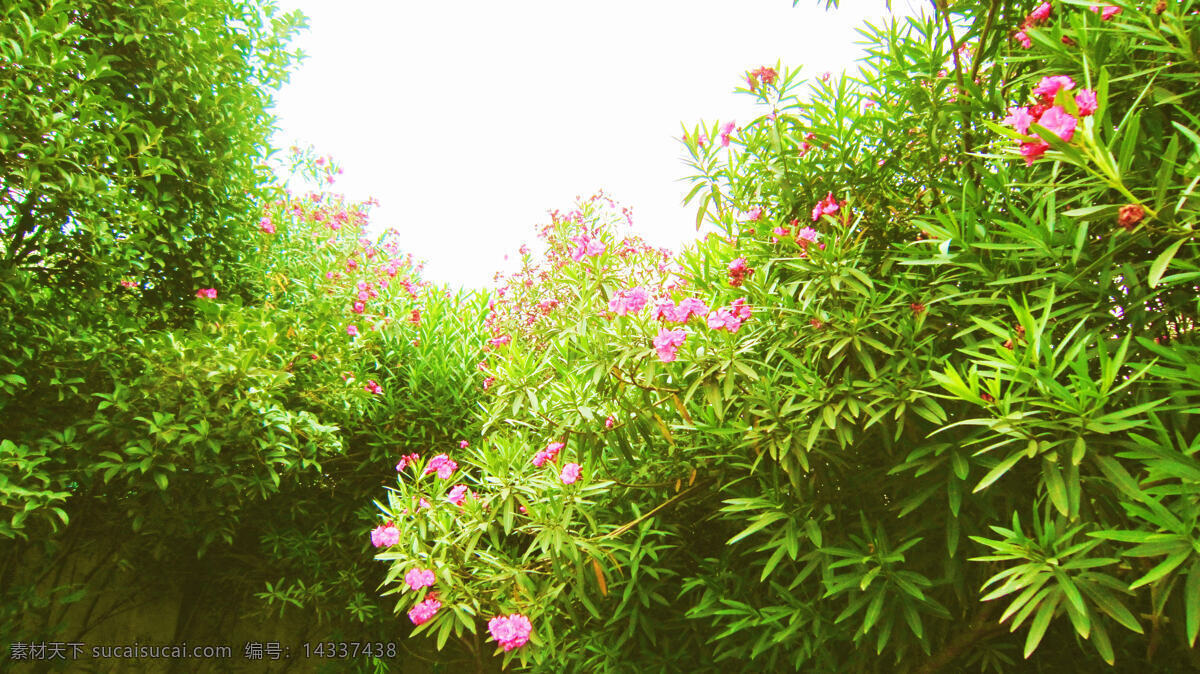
<point>923,400</point>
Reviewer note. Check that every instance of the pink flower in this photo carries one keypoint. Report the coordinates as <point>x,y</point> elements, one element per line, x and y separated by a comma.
<point>372,387</point>
<point>352,330</point>
<point>667,343</point>
<point>500,341</point>
<point>1041,13</point>
<point>629,301</point>
<point>266,225</point>
<point>419,578</point>
<point>586,247</point>
<point>1085,100</point>
<point>725,132</point>
<point>457,494</point>
<point>779,233</point>
<point>463,444</point>
<point>443,465</point>
<point>207,293</point>
<point>1022,37</point>
<point>688,307</point>
<point>739,271</point>
<point>385,535</point>
<point>1019,119</point>
<point>421,613</point>
<point>610,421</point>
<point>1059,122</point>
<point>1108,12</point>
<point>827,206</point>
<point>1032,151</point>
<point>754,214</point>
<point>724,319</point>
<point>826,75</point>
<point>511,631</point>
<point>1051,85</point>
<point>740,308</point>
<point>807,236</point>
<point>488,382</point>
<point>406,460</point>
<point>548,454</point>
<point>570,473</point>
<point>358,307</point>
<point>667,311</point>
<point>130,284</point>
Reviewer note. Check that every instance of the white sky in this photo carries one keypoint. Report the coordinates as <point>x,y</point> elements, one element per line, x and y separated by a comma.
<point>469,120</point>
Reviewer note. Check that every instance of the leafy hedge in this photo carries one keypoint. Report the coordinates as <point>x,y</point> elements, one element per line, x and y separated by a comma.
<point>924,400</point>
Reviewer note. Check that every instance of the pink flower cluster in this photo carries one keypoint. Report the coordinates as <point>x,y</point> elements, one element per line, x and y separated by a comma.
<point>419,578</point>
<point>669,312</point>
<point>1047,114</point>
<point>767,75</point>
<point>730,318</point>
<point>570,473</point>
<point>441,464</point>
<point>511,631</point>
<point>586,246</point>
<point>421,613</point>
<point>1107,12</point>
<point>207,293</point>
<point>550,453</point>
<point>1038,15</point>
<point>384,535</point>
<point>629,301</point>
<point>739,271</point>
<point>372,387</point>
<point>458,493</point>
<point>667,343</point>
<point>726,130</point>
<point>827,206</point>
<point>266,225</point>
<point>406,461</point>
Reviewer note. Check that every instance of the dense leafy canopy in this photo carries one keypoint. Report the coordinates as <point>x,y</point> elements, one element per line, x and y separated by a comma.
<point>922,400</point>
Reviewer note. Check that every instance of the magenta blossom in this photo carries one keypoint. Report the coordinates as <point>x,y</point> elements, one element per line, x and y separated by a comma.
<point>570,473</point>
<point>827,206</point>
<point>419,578</point>
<point>754,214</point>
<point>629,301</point>
<point>548,454</point>
<point>406,461</point>
<point>458,494</point>
<point>690,306</point>
<point>385,535</point>
<point>667,343</point>
<point>207,293</point>
<point>352,330</point>
<point>1085,100</point>
<point>1059,122</point>
<point>511,631</point>
<point>725,132</point>
<point>372,387</point>
<point>739,271</point>
<point>610,421</point>
<point>724,319</point>
<point>441,464</point>
<point>1051,85</point>
<point>463,444</point>
<point>266,225</point>
<point>1107,12</point>
<point>1019,119</point>
<point>740,308</point>
<point>421,613</point>
<point>1041,13</point>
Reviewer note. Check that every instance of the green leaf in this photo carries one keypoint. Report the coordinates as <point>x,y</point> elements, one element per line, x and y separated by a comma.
<point>999,471</point>
<point>1159,266</point>
<point>1037,629</point>
<point>1191,600</point>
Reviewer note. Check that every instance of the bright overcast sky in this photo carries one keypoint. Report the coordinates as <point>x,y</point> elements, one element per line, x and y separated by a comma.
<point>469,120</point>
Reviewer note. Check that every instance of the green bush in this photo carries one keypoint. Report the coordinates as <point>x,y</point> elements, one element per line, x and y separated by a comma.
<point>958,423</point>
